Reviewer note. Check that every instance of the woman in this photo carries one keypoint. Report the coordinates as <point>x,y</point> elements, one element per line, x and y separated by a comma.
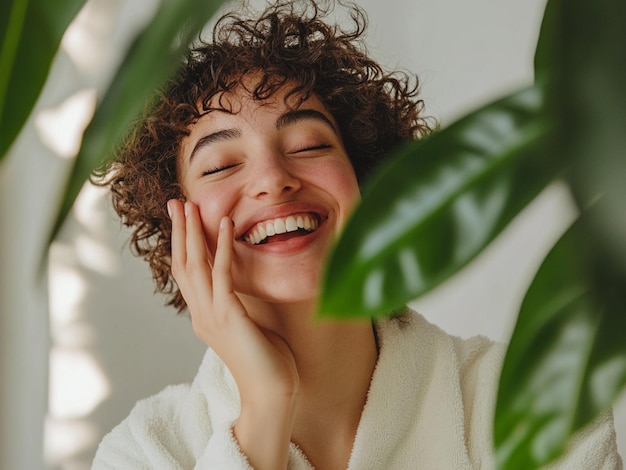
<point>237,182</point>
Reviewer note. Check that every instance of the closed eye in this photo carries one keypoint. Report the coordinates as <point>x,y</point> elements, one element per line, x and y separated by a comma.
<point>313,148</point>
<point>212,171</point>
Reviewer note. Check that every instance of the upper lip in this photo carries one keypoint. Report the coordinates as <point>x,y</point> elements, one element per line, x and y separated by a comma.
<point>273,212</point>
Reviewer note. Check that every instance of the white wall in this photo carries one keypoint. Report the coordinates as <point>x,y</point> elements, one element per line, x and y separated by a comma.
<point>111,342</point>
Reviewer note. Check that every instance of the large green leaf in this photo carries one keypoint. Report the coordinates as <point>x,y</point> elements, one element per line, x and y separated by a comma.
<point>591,97</point>
<point>150,61</point>
<point>437,205</point>
<point>547,60</point>
<point>566,362</point>
<point>30,33</point>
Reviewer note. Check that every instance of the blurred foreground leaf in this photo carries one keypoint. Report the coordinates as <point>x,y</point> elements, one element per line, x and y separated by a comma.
<point>438,204</point>
<point>30,34</point>
<point>590,96</point>
<point>150,61</point>
<point>566,362</point>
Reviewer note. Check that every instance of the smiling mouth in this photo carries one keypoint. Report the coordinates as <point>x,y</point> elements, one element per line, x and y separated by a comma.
<point>281,228</point>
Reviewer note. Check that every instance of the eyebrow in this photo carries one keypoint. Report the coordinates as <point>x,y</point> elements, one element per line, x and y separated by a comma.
<point>217,136</point>
<point>286,119</point>
<point>297,115</point>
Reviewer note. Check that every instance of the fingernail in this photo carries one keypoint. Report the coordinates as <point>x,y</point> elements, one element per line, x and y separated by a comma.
<point>169,209</point>
<point>223,223</point>
<point>187,208</point>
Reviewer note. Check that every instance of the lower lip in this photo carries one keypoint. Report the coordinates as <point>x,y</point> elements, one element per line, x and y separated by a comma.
<point>291,246</point>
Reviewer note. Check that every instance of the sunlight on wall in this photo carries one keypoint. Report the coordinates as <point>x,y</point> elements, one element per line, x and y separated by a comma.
<point>67,290</point>
<point>60,129</point>
<point>83,39</point>
<point>78,384</point>
<point>95,255</point>
<point>89,212</point>
<point>66,438</point>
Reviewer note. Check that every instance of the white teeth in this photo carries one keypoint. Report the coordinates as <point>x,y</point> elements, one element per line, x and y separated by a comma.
<point>278,226</point>
<point>262,233</point>
<point>291,224</point>
<point>269,228</point>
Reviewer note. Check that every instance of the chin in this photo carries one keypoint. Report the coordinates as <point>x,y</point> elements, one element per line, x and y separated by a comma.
<point>277,296</point>
<point>283,291</point>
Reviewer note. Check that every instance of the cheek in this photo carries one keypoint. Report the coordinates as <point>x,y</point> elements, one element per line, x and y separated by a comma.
<point>345,184</point>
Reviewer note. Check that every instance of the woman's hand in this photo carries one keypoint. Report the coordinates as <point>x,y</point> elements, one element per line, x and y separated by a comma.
<point>260,361</point>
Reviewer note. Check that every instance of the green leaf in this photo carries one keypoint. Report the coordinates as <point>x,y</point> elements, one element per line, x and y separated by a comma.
<point>566,361</point>
<point>30,32</point>
<point>546,56</point>
<point>591,97</point>
<point>150,61</point>
<point>437,205</point>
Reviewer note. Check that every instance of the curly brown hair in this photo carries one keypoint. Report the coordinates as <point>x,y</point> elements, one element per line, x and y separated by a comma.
<point>287,44</point>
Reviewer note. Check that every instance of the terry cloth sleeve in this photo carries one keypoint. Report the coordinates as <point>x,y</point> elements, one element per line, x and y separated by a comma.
<point>184,427</point>
<point>593,448</point>
<point>170,430</point>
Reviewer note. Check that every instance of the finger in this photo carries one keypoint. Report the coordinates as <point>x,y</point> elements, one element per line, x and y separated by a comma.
<point>222,275</point>
<point>197,274</point>
<point>197,250</point>
<point>179,236</point>
<point>180,266</point>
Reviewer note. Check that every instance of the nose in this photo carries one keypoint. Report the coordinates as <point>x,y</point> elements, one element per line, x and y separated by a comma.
<point>273,178</point>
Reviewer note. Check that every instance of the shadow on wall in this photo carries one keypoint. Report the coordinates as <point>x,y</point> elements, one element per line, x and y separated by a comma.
<point>113,342</point>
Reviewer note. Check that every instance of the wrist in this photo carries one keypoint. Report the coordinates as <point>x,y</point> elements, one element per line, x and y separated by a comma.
<point>263,430</point>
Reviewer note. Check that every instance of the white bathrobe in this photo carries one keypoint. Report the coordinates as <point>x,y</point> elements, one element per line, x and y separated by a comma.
<point>430,406</point>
